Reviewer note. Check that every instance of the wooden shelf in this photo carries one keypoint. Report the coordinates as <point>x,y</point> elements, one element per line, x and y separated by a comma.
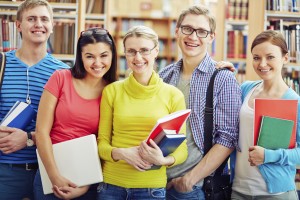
<point>65,57</point>
<point>282,15</point>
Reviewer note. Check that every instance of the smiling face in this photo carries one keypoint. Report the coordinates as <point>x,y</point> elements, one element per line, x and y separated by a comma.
<point>140,64</point>
<point>36,25</point>
<point>268,60</point>
<point>97,59</point>
<point>191,45</point>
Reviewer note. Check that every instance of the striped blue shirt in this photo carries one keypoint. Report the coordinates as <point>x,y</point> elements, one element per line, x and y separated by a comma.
<point>227,101</point>
<point>14,88</point>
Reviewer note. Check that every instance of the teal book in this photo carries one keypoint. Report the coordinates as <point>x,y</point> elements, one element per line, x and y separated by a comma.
<point>275,133</point>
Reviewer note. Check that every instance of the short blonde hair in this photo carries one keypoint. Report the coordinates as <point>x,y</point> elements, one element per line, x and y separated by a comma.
<point>141,31</point>
<point>29,4</point>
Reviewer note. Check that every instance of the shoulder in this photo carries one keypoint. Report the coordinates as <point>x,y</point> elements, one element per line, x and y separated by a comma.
<point>168,70</point>
<point>171,92</point>
<point>54,63</point>
<point>248,85</point>
<point>62,73</point>
<point>115,86</point>
<point>291,94</point>
<point>225,79</point>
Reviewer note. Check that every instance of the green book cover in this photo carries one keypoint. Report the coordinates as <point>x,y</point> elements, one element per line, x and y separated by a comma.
<point>275,133</point>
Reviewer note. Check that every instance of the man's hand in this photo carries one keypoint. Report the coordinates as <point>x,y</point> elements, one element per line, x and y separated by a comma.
<point>225,64</point>
<point>13,139</point>
<point>180,184</point>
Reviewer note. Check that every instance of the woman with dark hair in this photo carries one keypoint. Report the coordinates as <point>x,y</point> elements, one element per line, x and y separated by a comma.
<point>77,92</point>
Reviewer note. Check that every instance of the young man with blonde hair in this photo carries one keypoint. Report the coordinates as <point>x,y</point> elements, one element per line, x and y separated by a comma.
<point>195,31</point>
<point>27,70</point>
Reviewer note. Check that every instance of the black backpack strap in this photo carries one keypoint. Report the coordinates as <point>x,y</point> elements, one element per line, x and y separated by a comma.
<point>209,119</point>
<point>2,66</point>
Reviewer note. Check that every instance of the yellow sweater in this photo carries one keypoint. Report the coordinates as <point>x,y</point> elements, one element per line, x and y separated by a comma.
<point>128,113</point>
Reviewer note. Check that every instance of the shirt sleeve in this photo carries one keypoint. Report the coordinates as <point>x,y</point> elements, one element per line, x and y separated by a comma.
<point>228,106</point>
<point>105,125</point>
<point>54,84</point>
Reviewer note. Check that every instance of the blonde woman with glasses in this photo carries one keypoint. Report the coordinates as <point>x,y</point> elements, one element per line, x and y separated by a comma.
<point>129,110</point>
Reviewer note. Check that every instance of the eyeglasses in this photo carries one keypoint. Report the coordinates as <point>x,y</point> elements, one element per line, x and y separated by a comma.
<point>143,51</point>
<point>187,30</point>
<point>95,30</point>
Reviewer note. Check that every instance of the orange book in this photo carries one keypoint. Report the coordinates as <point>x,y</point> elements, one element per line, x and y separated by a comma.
<point>278,108</point>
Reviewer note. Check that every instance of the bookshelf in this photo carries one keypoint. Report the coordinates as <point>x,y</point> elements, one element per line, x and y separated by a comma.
<point>262,16</point>
<point>70,18</point>
<point>159,15</point>
<point>232,34</point>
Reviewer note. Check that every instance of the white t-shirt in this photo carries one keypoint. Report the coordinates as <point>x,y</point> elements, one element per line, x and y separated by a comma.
<point>248,179</point>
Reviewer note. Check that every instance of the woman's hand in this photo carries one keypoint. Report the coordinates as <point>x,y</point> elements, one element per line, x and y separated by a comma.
<point>256,155</point>
<point>61,182</point>
<point>132,157</point>
<point>152,154</point>
<point>225,64</point>
<point>67,192</point>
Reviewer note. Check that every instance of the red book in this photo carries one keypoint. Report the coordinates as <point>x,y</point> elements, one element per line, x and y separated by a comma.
<point>278,108</point>
<point>173,121</point>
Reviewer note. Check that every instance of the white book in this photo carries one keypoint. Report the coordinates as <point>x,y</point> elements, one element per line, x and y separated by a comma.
<point>76,160</point>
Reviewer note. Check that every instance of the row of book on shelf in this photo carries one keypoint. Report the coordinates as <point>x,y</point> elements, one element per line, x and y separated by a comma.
<point>283,5</point>
<point>237,43</point>
<point>237,10</point>
<point>163,27</point>
<point>291,32</point>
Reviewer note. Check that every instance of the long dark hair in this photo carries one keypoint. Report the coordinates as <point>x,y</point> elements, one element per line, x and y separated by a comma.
<point>78,70</point>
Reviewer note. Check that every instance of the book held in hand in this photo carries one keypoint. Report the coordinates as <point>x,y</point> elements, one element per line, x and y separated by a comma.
<point>173,122</point>
<point>276,108</point>
<point>170,142</point>
<point>19,116</point>
<point>275,133</point>
<point>77,160</point>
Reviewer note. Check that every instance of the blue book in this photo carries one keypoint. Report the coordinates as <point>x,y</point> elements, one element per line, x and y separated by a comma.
<point>19,116</point>
<point>170,142</point>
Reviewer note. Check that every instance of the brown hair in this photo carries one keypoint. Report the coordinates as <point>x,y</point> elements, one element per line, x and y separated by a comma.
<point>274,37</point>
<point>198,10</point>
<point>29,4</point>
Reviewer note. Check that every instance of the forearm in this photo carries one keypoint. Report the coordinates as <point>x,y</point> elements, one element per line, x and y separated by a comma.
<point>211,161</point>
<point>44,146</point>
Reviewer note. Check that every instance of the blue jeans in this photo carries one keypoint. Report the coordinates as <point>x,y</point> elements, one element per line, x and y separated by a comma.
<point>15,183</point>
<point>196,194</point>
<point>91,194</point>
<point>111,192</point>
